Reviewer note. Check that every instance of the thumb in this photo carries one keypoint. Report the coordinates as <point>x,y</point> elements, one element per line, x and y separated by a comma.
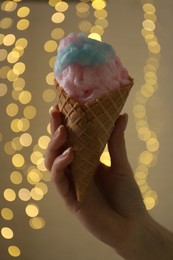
<point>116,146</point>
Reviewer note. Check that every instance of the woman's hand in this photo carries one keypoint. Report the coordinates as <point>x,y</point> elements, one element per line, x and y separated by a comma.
<point>113,209</point>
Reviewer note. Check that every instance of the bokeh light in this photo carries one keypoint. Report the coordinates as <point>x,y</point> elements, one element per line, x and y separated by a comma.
<point>14,251</point>
<point>7,214</point>
<point>7,232</point>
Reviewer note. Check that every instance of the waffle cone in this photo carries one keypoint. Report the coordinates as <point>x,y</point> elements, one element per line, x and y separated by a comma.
<point>89,127</point>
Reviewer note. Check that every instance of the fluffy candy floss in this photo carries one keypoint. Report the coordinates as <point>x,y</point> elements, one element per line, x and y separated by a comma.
<point>87,69</point>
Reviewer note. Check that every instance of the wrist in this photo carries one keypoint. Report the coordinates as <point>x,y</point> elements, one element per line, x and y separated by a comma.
<point>148,240</point>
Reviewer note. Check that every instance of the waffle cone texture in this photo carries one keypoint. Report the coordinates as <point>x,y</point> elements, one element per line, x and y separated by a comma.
<point>89,127</point>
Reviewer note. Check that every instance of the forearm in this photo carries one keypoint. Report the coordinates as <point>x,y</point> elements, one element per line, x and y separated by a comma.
<point>152,242</point>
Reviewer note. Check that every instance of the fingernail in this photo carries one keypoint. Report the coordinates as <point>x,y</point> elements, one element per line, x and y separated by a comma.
<point>66,152</point>
<point>59,130</point>
<point>125,121</point>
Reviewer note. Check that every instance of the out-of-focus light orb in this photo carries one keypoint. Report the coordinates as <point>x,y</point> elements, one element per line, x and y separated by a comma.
<point>154,47</point>
<point>58,17</point>
<point>22,42</point>
<point>29,112</point>
<point>34,176</point>
<point>46,176</point>
<point>37,194</point>
<point>50,46</point>
<point>152,145</point>
<point>24,194</point>
<point>3,89</point>
<point>99,4</point>
<point>13,57</point>
<point>26,139</point>
<point>9,194</point>
<point>8,148</point>
<point>147,90</point>
<point>102,22</point>
<point>6,23</point>
<point>9,39</point>
<point>8,6</point>
<point>101,14</point>
<point>44,141</point>
<point>149,8</point>
<point>82,7</point>
<point>97,29</point>
<point>57,33</point>
<point>25,97</point>
<point>23,11</point>
<point>35,156</point>
<point>52,62</point>
<point>53,2</point>
<point>32,210</point>
<point>139,111</point>
<point>11,75</point>
<point>144,133</point>
<point>16,177</point>
<point>61,6</point>
<point>23,24</point>
<point>49,95</point>
<point>16,144</point>
<point>141,172</point>
<point>4,71</point>
<point>3,54</point>
<point>19,84</point>
<point>7,232</point>
<point>18,160</point>
<point>41,164</point>
<point>146,158</point>
<point>151,17</point>
<point>85,26</point>
<point>19,68</point>
<point>37,223</point>
<point>149,25</point>
<point>149,203</point>
<point>12,109</point>
<point>42,186</point>
<point>95,36</point>
<point>50,78</point>
<point>7,214</point>
<point>14,251</point>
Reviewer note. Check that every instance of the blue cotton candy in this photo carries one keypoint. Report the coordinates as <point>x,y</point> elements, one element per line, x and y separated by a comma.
<point>85,52</point>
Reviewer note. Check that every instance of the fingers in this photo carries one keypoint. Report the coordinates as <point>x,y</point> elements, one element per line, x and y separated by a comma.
<point>116,145</point>
<point>58,172</point>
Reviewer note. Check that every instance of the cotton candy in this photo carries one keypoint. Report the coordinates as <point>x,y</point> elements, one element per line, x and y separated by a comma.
<point>87,69</point>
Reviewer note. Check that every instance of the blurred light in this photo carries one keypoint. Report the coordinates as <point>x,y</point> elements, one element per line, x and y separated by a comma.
<point>16,177</point>
<point>99,4</point>
<point>3,89</point>
<point>32,210</point>
<point>149,203</point>
<point>149,8</point>
<point>13,57</point>
<point>7,233</point>
<point>12,109</point>
<point>19,68</point>
<point>4,71</point>
<point>102,22</point>
<point>61,6</point>
<point>149,25</point>
<point>95,36</point>
<point>6,23</point>
<point>53,2</point>
<point>46,176</point>
<point>25,97</point>
<point>29,112</point>
<point>9,195</point>
<point>7,214</point>
<point>85,26</point>
<point>34,176</point>
<point>36,194</point>
<point>57,33</point>
<point>100,14</point>
<point>97,29</point>
<point>23,24</point>
<point>146,158</point>
<point>44,141</point>
<point>26,139</point>
<point>14,251</point>
<point>139,111</point>
<point>50,46</point>
<point>147,90</point>
<point>3,54</point>
<point>23,11</point>
<point>19,84</point>
<point>141,172</point>
<point>18,160</point>
<point>49,95</point>
<point>152,145</point>
<point>82,7</point>
<point>21,42</point>
<point>41,164</point>
<point>50,78</point>
<point>37,223</point>
<point>154,47</point>
<point>35,156</point>
<point>9,149</point>
<point>58,17</point>
<point>9,39</point>
<point>24,194</point>
<point>11,75</point>
<point>51,64</point>
<point>42,186</point>
<point>8,6</point>
<point>151,17</point>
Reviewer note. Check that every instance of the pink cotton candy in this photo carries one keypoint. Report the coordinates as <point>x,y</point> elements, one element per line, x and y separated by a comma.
<point>91,82</point>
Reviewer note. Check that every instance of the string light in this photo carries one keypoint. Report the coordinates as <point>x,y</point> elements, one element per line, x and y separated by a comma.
<point>148,157</point>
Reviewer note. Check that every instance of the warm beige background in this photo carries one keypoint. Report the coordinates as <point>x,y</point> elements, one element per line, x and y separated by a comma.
<point>63,238</point>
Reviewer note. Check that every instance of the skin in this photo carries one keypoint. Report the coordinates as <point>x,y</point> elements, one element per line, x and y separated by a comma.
<point>113,209</point>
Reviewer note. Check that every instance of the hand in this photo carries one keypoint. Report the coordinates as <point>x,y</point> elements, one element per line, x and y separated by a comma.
<point>113,209</point>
